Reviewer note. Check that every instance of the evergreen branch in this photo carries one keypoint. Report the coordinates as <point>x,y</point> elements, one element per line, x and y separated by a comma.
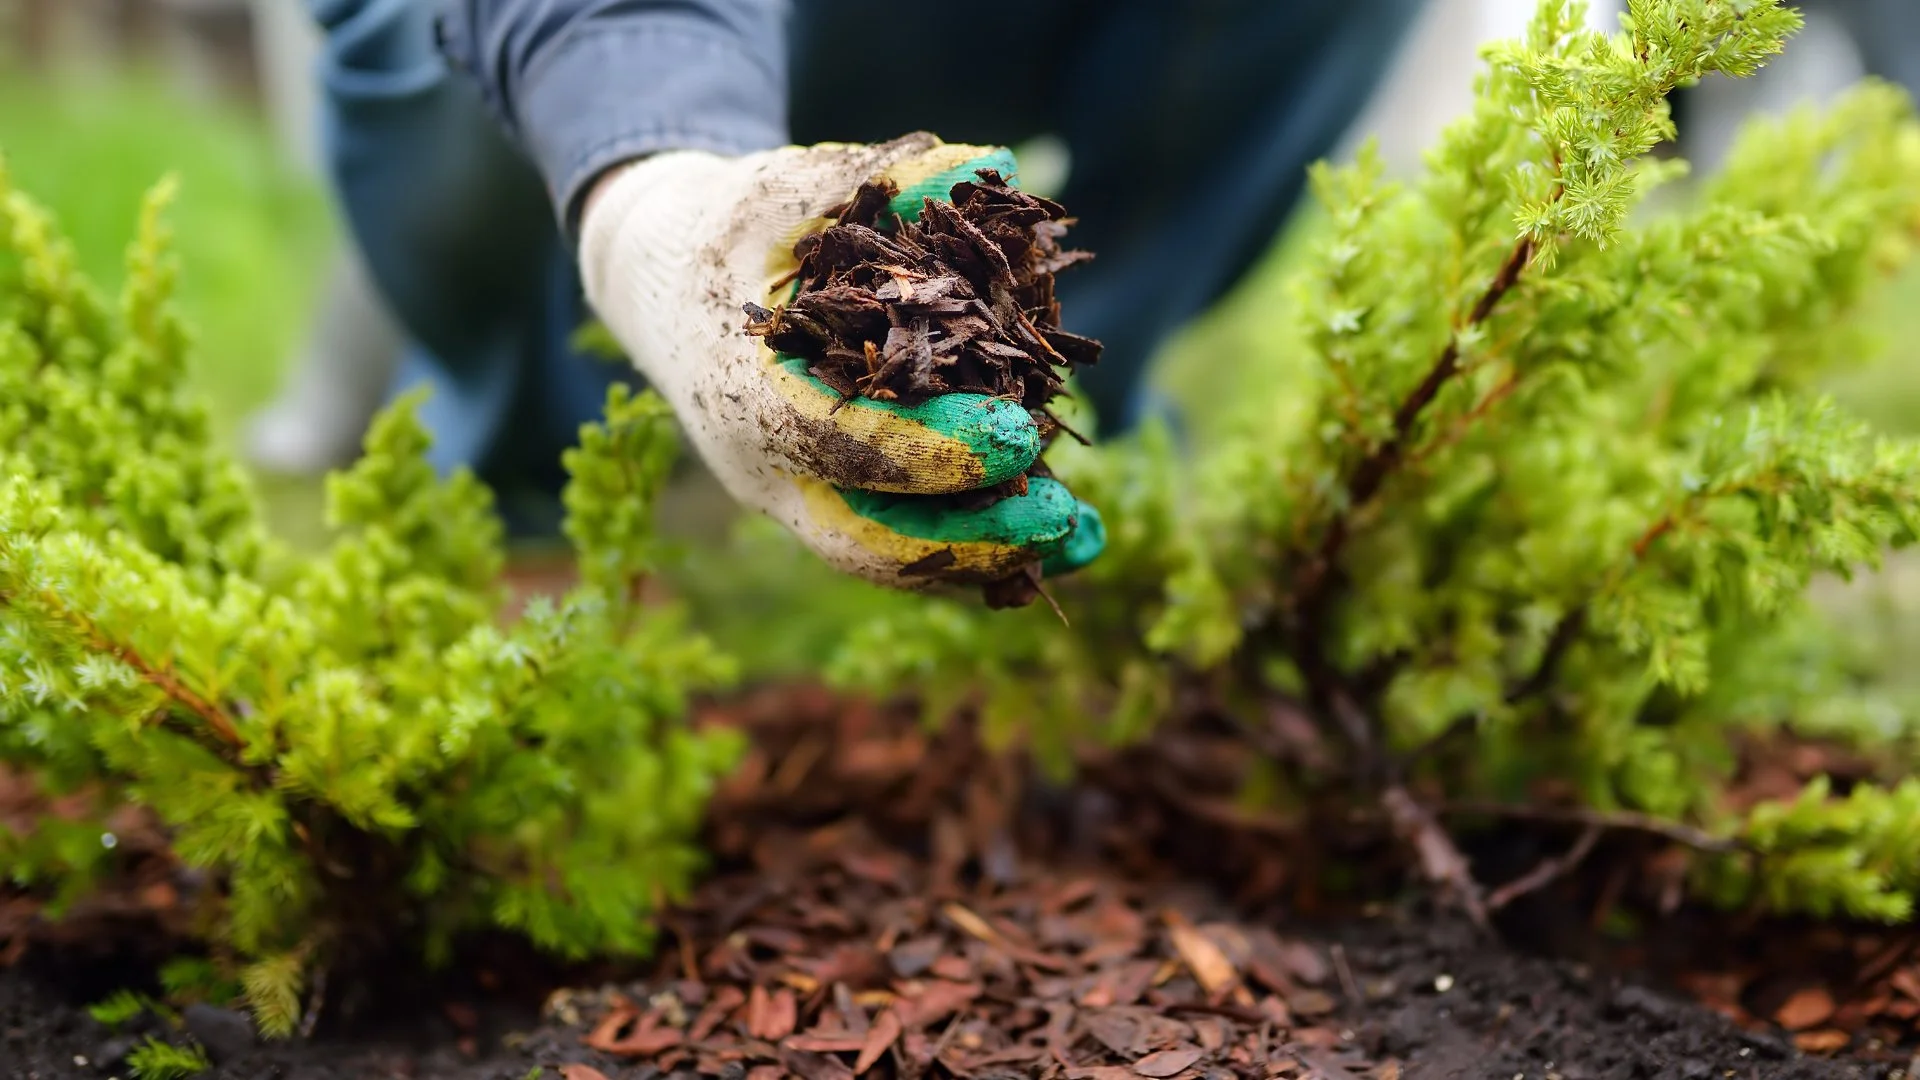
<point>156,676</point>
<point>1441,861</point>
<point>1657,530</point>
<point>176,691</point>
<point>1360,729</point>
<point>429,772</point>
<point>1567,631</point>
<point>1458,431</point>
<point>1313,586</point>
<point>1440,858</point>
<point>1402,813</point>
<point>1608,820</point>
<point>316,1001</point>
<point>1461,546</point>
<point>1313,591</point>
<point>1547,871</point>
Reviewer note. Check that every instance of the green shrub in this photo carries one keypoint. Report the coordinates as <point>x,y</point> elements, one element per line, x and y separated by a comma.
<point>156,1060</point>
<point>1535,502</point>
<point>356,746</point>
<point>1524,492</point>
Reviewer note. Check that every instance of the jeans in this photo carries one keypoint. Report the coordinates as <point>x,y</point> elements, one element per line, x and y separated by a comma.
<point>1887,33</point>
<point>1189,124</point>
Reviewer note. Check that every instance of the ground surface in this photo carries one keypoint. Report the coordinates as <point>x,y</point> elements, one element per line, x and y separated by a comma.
<point>1501,1016</point>
<point>894,904</point>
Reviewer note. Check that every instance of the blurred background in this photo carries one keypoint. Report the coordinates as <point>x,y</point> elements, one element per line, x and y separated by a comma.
<point>100,98</point>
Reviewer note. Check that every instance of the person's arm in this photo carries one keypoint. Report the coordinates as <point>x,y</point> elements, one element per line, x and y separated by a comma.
<point>584,85</point>
<point>673,115</point>
<point>672,251</point>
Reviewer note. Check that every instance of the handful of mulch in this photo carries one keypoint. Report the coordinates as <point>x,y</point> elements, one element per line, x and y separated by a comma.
<point>960,301</point>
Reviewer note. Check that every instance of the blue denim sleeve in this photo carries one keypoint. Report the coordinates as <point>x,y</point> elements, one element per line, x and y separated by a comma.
<point>582,85</point>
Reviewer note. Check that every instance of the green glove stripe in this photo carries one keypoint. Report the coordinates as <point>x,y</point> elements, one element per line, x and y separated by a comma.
<point>939,186</point>
<point>1041,520</point>
<point>1084,544</point>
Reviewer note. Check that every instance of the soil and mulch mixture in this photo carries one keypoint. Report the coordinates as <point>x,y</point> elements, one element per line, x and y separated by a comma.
<point>893,903</point>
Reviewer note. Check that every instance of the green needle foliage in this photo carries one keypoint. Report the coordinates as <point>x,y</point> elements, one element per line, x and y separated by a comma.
<point>1521,498</point>
<point>120,1008</point>
<point>359,749</point>
<point>1536,503</point>
<point>156,1060</point>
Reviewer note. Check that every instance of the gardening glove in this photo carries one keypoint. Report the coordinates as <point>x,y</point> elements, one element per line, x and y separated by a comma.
<point>673,246</point>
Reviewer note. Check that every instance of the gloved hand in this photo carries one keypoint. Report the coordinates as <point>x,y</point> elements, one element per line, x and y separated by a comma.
<point>671,248</point>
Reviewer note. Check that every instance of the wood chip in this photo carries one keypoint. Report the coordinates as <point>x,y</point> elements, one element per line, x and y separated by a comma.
<point>830,1042</point>
<point>1311,1002</point>
<point>972,924</point>
<point>872,888</point>
<point>771,1016</point>
<point>1907,981</point>
<point>935,1000</point>
<point>1210,967</point>
<point>725,1000</point>
<point>1101,1072</point>
<point>1808,1008</point>
<point>643,1043</point>
<point>1825,1041</point>
<point>1169,1062</point>
<point>606,1032</point>
<point>879,1039</point>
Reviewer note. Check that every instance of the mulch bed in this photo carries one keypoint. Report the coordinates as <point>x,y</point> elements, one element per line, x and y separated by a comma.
<point>894,903</point>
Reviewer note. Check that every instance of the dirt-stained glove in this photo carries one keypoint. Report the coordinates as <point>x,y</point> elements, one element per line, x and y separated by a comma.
<point>671,249</point>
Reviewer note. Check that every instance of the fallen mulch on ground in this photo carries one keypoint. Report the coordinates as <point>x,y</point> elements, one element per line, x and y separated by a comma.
<point>893,903</point>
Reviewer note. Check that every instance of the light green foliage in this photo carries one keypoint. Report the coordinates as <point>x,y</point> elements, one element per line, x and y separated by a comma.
<point>120,1008</point>
<point>196,978</point>
<point>156,1060</point>
<point>1531,461</point>
<point>358,746</point>
<point>594,339</point>
<point>1857,855</point>
<point>769,601</point>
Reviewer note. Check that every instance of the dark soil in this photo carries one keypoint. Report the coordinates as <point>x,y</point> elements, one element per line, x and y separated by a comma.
<point>1501,1015</point>
<point>905,902</point>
